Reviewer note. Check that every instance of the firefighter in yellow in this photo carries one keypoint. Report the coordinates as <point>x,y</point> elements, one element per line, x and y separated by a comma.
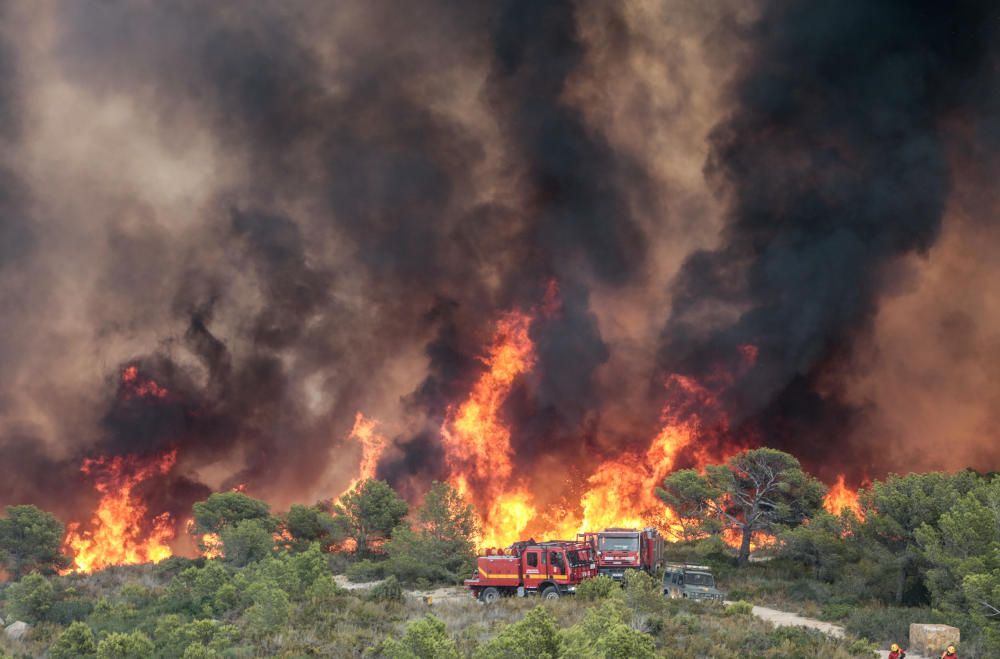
<point>949,653</point>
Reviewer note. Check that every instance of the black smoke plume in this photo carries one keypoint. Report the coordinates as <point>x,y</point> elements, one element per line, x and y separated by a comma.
<point>835,163</point>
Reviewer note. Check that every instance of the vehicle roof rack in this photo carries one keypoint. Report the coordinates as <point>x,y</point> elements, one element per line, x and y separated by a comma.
<point>689,566</point>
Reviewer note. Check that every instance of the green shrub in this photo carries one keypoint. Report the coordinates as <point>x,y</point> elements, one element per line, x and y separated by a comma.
<point>836,612</point>
<point>199,651</point>
<point>425,638</point>
<point>439,547</point>
<point>887,624</point>
<point>308,566</point>
<point>196,589</point>
<point>387,591</point>
<point>30,598</point>
<point>621,642</point>
<point>171,567</point>
<point>248,541</point>
<point>113,616</point>
<point>533,637</point>
<point>125,646</point>
<point>604,632</point>
<point>597,588</point>
<point>862,648</point>
<point>643,592</point>
<point>739,608</point>
<point>64,612</point>
<point>321,599</point>
<point>76,641</point>
<point>365,570</point>
<point>714,548</point>
<point>270,611</point>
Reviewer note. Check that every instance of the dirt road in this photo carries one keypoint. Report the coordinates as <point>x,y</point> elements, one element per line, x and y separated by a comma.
<point>786,619</point>
<point>435,595</point>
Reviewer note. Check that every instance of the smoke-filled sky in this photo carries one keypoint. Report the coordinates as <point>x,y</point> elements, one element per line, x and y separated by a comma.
<point>288,212</point>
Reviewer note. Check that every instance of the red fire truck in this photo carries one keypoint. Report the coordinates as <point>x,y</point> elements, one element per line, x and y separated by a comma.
<point>551,569</point>
<point>618,550</point>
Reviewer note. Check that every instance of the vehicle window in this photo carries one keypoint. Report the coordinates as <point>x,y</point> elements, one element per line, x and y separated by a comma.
<point>532,559</point>
<point>577,558</point>
<point>700,579</point>
<point>618,543</point>
<point>557,560</point>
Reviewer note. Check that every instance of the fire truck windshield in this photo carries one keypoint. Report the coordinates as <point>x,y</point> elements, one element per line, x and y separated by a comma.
<point>619,543</point>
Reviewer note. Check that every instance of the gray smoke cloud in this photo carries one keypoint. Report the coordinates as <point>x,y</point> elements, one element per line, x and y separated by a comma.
<point>288,212</point>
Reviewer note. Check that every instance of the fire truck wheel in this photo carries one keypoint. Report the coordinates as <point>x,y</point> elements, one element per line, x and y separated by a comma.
<point>489,595</point>
<point>550,593</point>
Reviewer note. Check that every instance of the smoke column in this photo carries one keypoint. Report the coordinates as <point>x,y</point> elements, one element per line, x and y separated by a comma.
<point>285,214</point>
<point>835,164</point>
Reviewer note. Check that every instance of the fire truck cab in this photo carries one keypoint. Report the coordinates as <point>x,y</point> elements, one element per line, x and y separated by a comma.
<point>551,569</point>
<point>620,549</point>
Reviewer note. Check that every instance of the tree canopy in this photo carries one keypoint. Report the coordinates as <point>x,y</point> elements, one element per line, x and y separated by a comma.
<point>30,539</point>
<point>898,506</point>
<point>226,509</point>
<point>372,509</point>
<point>309,524</point>
<point>756,490</point>
<point>439,545</point>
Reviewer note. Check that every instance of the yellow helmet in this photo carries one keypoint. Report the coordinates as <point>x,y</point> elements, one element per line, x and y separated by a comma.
<point>894,648</point>
<point>951,649</point>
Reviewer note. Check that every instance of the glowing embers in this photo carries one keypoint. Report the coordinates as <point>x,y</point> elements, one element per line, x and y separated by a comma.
<point>134,385</point>
<point>120,531</point>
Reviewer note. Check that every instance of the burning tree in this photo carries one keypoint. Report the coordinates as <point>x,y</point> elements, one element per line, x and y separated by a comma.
<point>754,491</point>
<point>371,510</point>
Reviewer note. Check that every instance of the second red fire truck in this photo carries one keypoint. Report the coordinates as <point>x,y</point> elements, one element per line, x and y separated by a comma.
<point>550,569</point>
<point>617,550</point>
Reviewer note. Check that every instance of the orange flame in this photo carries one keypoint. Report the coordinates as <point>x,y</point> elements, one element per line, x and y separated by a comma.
<point>477,442</point>
<point>116,535</point>
<point>622,491</point>
<point>840,498</point>
<point>372,445</point>
<point>209,544</point>
<point>759,540</point>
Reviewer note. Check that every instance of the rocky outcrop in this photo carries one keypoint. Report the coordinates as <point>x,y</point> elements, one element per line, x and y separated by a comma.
<point>16,630</point>
<point>931,640</point>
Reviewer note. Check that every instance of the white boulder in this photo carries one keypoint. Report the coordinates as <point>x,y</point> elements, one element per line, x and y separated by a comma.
<point>16,630</point>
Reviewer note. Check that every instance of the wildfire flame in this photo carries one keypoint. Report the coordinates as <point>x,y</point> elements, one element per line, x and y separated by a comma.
<point>119,533</point>
<point>840,498</point>
<point>620,492</point>
<point>759,540</point>
<point>477,443</point>
<point>372,445</point>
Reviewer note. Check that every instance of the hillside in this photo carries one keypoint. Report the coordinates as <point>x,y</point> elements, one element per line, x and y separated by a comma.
<point>370,576</point>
